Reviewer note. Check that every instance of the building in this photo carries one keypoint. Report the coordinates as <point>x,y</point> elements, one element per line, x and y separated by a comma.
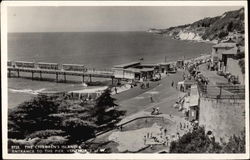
<point>134,71</point>
<point>193,103</point>
<point>180,64</point>
<point>230,62</point>
<point>217,51</point>
<point>166,67</point>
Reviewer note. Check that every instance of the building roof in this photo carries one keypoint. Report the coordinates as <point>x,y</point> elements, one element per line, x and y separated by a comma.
<point>23,62</point>
<point>191,82</point>
<point>148,65</point>
<point>194,96</point>
<point>225,45</point>
<point>166,63</point>
<point>126,65</point>
<point>234,50</point>
<point>73,64</point>
<point>194,100</point>
<point>47,63</point>
<point>138,70</point>
<point>230,51</point>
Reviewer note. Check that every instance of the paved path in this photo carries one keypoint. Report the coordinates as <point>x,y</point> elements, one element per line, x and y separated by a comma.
<point>164,96</point>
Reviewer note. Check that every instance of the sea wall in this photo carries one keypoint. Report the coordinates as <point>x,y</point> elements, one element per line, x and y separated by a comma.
<point>224,118</point>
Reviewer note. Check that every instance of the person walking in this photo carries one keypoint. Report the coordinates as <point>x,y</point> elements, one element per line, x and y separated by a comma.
<point>172,84</point>
<point>151,99</point>
<point>115,90</point>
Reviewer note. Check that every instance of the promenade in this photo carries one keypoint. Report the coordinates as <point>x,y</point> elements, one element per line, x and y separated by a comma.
<point>139,105</point>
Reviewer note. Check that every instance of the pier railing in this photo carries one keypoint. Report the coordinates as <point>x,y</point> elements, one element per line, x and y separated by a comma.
<point>222,91</point>
<point>53,68</point>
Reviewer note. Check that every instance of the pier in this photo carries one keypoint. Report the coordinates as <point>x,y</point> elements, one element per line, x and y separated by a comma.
<point>30,67</point>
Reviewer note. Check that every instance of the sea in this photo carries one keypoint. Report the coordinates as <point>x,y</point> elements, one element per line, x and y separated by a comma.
<point>98,50</point>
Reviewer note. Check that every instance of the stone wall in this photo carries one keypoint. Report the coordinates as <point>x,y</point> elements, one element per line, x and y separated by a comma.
<point>224,118</point>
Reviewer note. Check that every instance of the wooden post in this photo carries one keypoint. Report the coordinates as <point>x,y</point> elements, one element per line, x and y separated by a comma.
<point>83,78</point>
<point>64,77</point>
<point>220,90</point>
<point>32,75</point>
<point>90,80</point>
<point>9,74</point>
<point>56,77</point>
<point>41,75</point>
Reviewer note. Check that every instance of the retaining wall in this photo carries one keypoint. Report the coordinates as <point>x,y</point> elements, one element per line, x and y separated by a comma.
<point>224,118</point>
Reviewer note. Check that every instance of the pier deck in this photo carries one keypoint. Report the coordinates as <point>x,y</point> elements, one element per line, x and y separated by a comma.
<point>97,74</point>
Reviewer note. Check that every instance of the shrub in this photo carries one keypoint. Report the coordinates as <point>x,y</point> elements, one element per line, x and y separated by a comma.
<point>45,133</point>
<point>78,130</point>
<point>236,144</point>
<point>195,142</point>
<point>242,65</point>
<point>103,103</point>
<point>53,140</point>
<point>33,115</point>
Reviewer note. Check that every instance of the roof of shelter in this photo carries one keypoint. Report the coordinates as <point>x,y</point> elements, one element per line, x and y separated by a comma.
<point>225,45</point>
<point>126,65</point>
<point>166,63</point>
<point>138,70</point>
<point>234,50</point>
<point>148,65</point>
<point>230,51</point>
<point>189,82</point>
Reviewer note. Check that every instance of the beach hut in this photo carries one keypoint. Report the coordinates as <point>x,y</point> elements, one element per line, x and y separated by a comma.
<point>193,103</point>
<point>50,66</point>
<point>180,64</point>
<point>25,64</point>
<point>166,67</point>
<point>87,94</point>
<point>185,85</point>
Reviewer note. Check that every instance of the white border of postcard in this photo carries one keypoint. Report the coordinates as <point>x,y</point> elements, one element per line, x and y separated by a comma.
<point>4,52</point>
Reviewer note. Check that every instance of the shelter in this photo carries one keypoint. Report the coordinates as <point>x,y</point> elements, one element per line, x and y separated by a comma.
<point>219,48</point>
<point>134,71</point>
<point>52,66</point>
<point>180,64</point>
<point>166,67</point>
<point>193,103</point>
<point>24,64</point>
<point>186,84</point>
<point>87,94</point>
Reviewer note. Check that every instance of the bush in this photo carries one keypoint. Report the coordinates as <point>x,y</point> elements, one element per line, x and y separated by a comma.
<point>78,130</point>
<point>45,133</point>
<point>242,65</point>
<point>222,34</point>
<point>53,140</point>
<point>195,142</point>
<point>33,115</point>
<point>236,144</point>
<point>103,103</point>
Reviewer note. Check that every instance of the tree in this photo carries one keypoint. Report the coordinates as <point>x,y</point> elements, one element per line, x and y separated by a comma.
<point>103,104</point>
<point>78,130</point>
<point>195,142</point>
<point>230,27</point>
<point>32,115</point>
<point>242,65</point>
<point>236,144</point>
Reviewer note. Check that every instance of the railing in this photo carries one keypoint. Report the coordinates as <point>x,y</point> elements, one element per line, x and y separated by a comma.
<point>222,91</point>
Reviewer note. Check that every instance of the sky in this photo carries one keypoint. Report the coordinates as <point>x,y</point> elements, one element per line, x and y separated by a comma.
<point>105,18</point>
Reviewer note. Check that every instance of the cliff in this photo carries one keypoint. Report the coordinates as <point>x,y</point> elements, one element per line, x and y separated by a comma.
<point>209,29</point>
